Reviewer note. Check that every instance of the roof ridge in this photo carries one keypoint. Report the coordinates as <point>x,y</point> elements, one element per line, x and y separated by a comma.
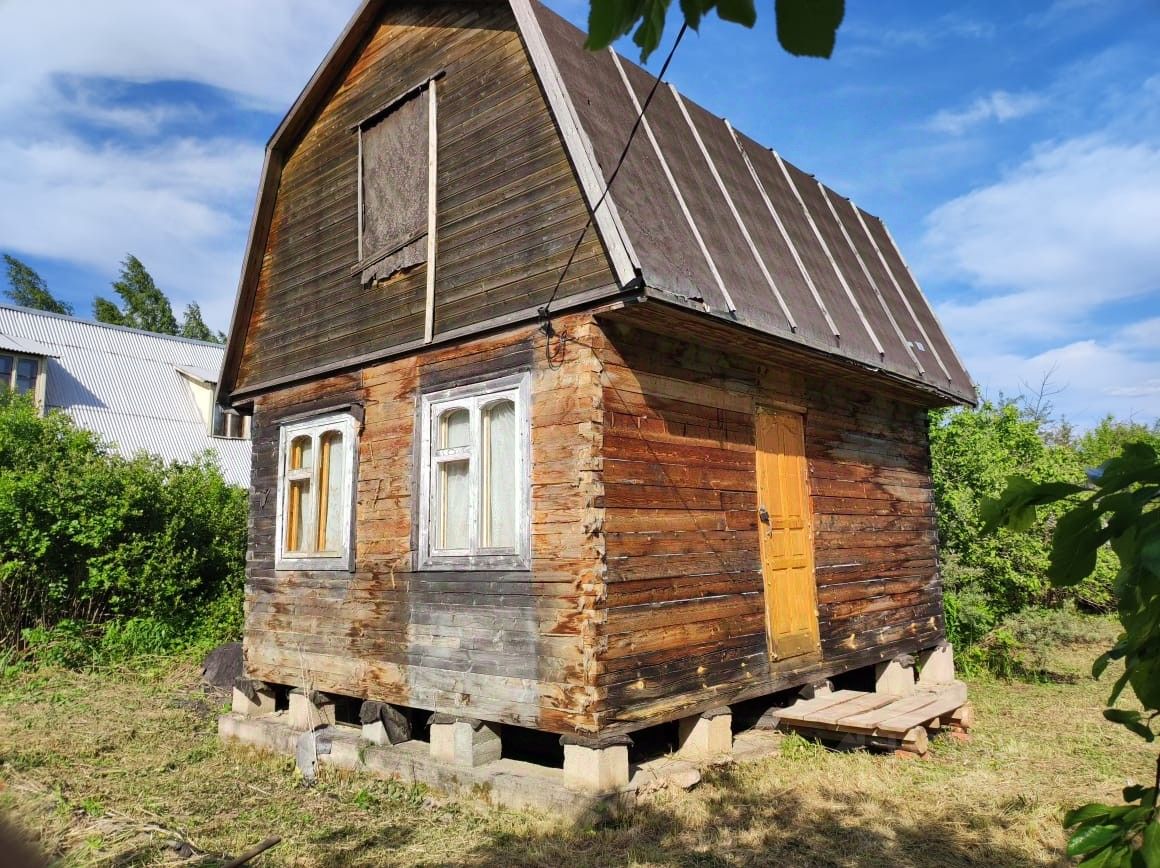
<point>107,325</point>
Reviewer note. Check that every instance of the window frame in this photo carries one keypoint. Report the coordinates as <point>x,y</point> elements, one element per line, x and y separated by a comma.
<point>475,398</point>
<point>316,427</point>
<point>37,391</point>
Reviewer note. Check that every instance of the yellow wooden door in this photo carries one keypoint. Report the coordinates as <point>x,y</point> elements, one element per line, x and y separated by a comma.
<point>787,539</point>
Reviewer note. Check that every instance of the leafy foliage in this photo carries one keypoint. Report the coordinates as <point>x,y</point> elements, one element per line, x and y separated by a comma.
<point>28,289</point>
<point>804,27</point>
<point>1119,508</point>
<point>102,553</point>
<point>194,327</point>
<point>143,305</point>
<point>991,577</point>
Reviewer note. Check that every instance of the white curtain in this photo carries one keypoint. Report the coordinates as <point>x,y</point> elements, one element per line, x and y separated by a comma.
<point>334,463</point>
<point>454,496</point>
<point>500,489</point>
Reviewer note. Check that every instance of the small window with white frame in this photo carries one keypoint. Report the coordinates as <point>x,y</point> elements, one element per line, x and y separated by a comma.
<point>316,478</point>
<point>474,499</point>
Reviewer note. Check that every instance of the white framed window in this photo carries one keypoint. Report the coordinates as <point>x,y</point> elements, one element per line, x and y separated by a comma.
<point>474,482</point>
<point>316,476</point>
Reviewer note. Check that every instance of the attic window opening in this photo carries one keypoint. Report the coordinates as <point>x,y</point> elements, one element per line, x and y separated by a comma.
<point>22,375</point>
<point>396,172</point>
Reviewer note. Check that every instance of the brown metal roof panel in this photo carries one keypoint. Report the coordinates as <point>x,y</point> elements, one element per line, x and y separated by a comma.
<point>823,204</point>
<point>961,384</point>
<point>896,302</point>
<point>854,341</point>
<point>770,246</point>
<point>664,244</point>
<point>725,246</point>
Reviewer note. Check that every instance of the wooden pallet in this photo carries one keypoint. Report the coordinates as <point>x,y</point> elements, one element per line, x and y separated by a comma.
<point>855,718</point>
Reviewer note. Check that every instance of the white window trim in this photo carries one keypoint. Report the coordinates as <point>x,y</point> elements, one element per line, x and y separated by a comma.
<point>344,560</point>
<point>516,387</point>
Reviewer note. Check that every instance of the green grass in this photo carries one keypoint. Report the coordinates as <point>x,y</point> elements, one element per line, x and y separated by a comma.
<point>113,767</point>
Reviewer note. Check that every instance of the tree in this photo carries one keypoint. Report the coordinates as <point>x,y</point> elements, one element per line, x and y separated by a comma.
<point>28,289</point>
<point>1120,507</point>
<point>193,326</point>
<point>804,27</point>
<point>143,305</point>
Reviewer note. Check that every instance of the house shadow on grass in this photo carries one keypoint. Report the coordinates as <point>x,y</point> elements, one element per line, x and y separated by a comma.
<point>831,827</point>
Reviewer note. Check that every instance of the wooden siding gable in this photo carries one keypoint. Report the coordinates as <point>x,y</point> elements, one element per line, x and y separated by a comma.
<point>517,184</point>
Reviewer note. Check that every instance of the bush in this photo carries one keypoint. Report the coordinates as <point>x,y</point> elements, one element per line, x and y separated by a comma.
<point>107,557</point>
<point>990,579</point>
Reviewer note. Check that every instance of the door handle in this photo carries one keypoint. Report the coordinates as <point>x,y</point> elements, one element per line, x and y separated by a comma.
<point>763,514</point>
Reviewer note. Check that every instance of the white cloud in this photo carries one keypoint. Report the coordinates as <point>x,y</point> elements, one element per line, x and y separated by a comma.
<point>1095,378</point>
<point>1068,230</point>
<point>1000,106</point>
<point>177,206</point>
<point>259,49</point>
<point>179,202</point>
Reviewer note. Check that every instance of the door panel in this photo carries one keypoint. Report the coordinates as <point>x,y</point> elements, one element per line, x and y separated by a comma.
<point>787,539</point>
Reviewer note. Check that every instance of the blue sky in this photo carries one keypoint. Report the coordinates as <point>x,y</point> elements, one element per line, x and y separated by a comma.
<point>1013,149</point>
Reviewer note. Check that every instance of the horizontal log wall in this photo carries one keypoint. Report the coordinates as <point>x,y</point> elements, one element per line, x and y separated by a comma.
<point>514,647</point>
<point>684,623</point>
<point>509,210</point>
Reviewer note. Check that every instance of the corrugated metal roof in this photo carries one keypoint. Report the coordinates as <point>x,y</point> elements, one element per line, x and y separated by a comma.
<point>14,344</point>
<point>725,225</point>
<point>125,385</point>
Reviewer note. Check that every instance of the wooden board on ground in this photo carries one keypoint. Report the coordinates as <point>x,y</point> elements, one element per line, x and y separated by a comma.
<point>879,719</point>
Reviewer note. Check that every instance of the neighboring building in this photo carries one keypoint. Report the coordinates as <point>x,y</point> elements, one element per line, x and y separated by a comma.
<point>580,471</point>
<point>139,391</point>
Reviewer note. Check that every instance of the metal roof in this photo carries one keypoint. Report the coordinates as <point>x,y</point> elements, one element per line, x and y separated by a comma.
<point>700,215</point>
<point>126,385</point>
<point>721,224</point>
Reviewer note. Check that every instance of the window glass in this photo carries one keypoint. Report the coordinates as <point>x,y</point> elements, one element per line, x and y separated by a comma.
<point>330,490</point>
<point>315,493</point>
<point>454,504</point>
<point>6,364</point>
<point>454,429</point>
<point>474,499</point>
<point>26,371</point>
<point>300,453</point>
<point>500,487</point>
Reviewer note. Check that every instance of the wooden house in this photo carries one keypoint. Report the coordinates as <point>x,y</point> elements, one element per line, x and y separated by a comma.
<point>538,455</point>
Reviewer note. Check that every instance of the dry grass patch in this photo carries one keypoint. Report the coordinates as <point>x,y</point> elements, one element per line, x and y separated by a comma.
<point>114,768</point>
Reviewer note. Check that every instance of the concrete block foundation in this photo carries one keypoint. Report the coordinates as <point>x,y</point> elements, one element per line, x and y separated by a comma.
<point>309,710</point>
<point>464,741</point>
<point>706,735</point>
<point>895,677</point>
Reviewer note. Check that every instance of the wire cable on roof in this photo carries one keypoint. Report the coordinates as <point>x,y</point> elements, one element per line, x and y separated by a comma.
<point>546,310</point>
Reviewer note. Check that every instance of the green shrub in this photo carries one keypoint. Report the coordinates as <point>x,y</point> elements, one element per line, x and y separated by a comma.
<point>103,557</point>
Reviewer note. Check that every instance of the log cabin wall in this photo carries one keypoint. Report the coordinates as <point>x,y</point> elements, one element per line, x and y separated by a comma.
<point>684,621</point>
<point>513,647</point>
<point>508,206</point>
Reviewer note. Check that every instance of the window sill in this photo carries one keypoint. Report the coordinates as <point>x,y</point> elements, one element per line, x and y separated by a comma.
<point>341,564</point>
<point>474,563</point>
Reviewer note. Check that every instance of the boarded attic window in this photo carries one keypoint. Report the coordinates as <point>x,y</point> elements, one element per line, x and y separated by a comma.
<point>395,180</point>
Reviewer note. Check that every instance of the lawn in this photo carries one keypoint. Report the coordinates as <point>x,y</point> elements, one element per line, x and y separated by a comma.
<point>112,768</point>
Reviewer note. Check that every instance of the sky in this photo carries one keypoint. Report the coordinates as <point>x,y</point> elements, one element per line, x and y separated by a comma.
<point>1013,149</point>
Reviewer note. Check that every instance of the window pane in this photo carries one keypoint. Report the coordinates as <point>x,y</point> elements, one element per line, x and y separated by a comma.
<point>6,363</point>
<point>300,453</point>
<point>454,429</point>
<point>299,502</point>
<point>500,486</point>
<point>452,504</point>
<point>331,473</point>
<point>26,371</point>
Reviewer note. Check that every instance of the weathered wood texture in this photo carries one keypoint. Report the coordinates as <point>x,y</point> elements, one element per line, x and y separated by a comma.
<point>645,600</point>
<point>514,647</point>
<point>508,206</point>
<point>684,621</point>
